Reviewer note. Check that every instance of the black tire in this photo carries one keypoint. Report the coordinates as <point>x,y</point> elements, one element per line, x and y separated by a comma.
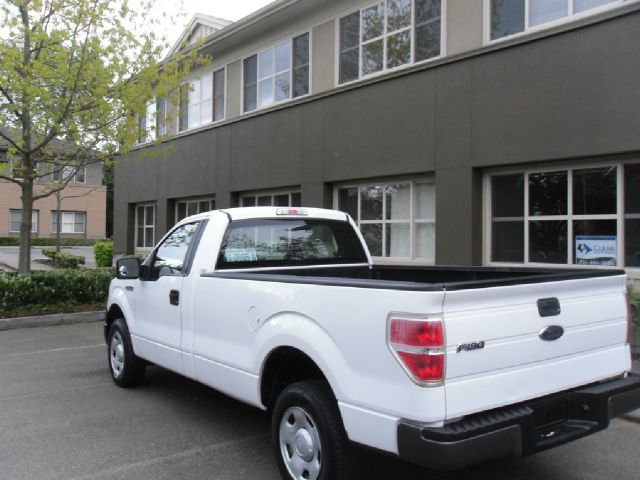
<point>127,370</point>
<point>304,413</point>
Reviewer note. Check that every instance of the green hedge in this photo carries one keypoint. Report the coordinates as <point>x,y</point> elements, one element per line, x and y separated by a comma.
<point>46,242</point>
<point>63,259</point>
<point>52,288</point>
<point>103,253</point>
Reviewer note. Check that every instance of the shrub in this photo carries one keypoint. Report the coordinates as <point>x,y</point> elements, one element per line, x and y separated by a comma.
<point>45,242</point>
<point>62,259</point>
<point>52,288</point>
<point>634,301</point>
<point>103,253</point>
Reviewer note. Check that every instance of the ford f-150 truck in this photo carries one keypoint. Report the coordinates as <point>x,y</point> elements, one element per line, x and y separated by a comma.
<point>283,308</point>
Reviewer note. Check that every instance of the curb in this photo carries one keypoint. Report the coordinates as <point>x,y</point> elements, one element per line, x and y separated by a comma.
<point>50,320</point>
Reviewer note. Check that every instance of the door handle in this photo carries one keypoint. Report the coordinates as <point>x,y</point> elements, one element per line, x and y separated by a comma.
<point>174,297</point>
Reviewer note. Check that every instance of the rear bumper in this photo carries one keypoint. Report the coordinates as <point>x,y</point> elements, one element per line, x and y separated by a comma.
<point>521,429</point>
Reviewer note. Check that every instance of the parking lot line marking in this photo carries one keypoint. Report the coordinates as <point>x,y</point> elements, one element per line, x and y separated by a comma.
<point>65,349</point>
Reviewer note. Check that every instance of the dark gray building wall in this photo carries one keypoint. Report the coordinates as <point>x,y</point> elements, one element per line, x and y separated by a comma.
<point>568,94</point>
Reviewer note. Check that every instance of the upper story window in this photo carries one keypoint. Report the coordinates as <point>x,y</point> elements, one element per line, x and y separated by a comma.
<point>186,208</point>
<point>388,35</point>
<point>147,123</point>
<point>279,199</point>
<point>509,17</point>
<point>70,173</point>
<point>202,101</point>
<point>277,74</point>
<point>161,117</point>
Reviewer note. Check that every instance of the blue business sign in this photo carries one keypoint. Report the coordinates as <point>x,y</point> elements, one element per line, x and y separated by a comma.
<point>596,250</point>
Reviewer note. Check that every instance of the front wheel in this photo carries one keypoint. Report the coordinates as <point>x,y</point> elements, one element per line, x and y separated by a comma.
<point>127,370</point>
<point>309,438</point>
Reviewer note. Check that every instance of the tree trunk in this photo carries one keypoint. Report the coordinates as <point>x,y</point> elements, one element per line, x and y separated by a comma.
<point>58,219</point>
<point>24,258</point>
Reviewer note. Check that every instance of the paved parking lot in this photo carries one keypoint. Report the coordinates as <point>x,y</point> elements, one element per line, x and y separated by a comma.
<point>62,418</point>
<point>9,257</point>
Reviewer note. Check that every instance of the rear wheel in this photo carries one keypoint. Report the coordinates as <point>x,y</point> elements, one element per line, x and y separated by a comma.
<point>127,370</point>
<point>309,438</point>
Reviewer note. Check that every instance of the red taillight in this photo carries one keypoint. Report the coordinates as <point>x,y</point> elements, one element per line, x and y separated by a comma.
<point>419,347</point>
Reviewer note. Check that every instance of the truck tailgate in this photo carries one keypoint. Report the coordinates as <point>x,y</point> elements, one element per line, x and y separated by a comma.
<point>516,363</point>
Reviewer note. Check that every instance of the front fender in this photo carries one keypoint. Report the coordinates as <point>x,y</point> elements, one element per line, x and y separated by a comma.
<point>118,297</point>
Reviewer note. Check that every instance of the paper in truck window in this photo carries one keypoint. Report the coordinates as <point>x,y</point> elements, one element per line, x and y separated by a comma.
<point>240,255</point>
<point>596,250</point>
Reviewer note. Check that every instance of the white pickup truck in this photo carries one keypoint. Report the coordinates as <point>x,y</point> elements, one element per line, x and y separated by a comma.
<point>282,308</point>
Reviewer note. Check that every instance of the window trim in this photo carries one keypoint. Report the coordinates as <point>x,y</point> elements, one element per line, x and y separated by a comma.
<point>289,38</point>
<point>225,101</point>
<point>568,167</point>
<point>570,18</point>
<point>386,71</point>
<point>269,193</point>
<point>33,212</point>
<point>145,226</point>
<point>74,212</point>
<point>187,201</point>
<point>412,219</point>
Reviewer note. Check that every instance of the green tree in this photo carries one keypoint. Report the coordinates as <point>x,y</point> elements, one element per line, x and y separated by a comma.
<point>71,74</point>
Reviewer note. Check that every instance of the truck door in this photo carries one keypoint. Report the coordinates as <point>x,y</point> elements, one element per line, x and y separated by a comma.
<point>158,326</point>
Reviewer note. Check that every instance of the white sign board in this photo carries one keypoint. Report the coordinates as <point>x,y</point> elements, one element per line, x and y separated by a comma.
<point>597,250</point>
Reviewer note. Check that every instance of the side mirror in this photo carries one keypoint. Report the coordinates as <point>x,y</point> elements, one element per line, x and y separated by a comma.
<point>128,268</point>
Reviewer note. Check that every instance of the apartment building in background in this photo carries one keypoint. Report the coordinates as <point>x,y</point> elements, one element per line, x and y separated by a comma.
<point>460,132</point>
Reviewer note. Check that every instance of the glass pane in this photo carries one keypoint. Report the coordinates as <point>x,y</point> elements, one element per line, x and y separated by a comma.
<point>139,215</point>
<point>266,92</point>
<point>398,202</point>
<point>348,201</point>
<point>632,242</point>
<point>632,189</point>
<point>251,70</point>
<point>398,240</point>
<point>194,93</point>
<point>373,237</point>
<point>265,64</point>
<point>206,111</point>
<point>281,200</point>
<point>398,14</point>
<point>350,31</point>
<point>248,201</point>
<point>594,191</point>
<point>206,90</point>
<point>372,57</point>
<point>507,17</point>
<point>301,50</point>
<point>507,242</point>
<point>429,10</point>
<point>372,22</point>
<point>283,87</point>
<point>507,196</point>
<point>300,81</point>
<point>182,211</point>
<point>264,201</point>
<point>170,256</point>
<point>283,57</point>
<point>548,241</point>
<point>148,237</point>
<point>218,83</point>
<point>218,109</point>
<point>192,208</point>
<point>203,206</point>
<point>543,11</point>
<point>140,239</point>
<point>425,207</point>
<point>548,193</point>
<point>78,227</point>
<point>250,98</point>
<point>296,199</point>
<point>399,49</point>
<point>194,115</point>
<point>425,240</point>
<point>149,220</point>
<point>428,41</point>
<point>595,242</point>
<point>349,64</point>
<point>583,5</point>
<point>371,203</point>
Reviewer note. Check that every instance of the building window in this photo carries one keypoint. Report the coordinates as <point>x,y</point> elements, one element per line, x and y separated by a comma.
<point>572,216</point>
<point>509,17</point>
<point>161,117</point>
<point>388,35</point>
<point>147,123</point>
<point>145,226</point>
<point>280,199</point>
<point>186,208</point>
<point>16,219</point>
<point>72,222</point>
<point>202,101</point>
<point>397,220</point>
<point>62,173</point>
<point>277,74</point>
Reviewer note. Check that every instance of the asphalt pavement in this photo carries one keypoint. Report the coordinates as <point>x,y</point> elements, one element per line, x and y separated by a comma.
<point>63,418</point>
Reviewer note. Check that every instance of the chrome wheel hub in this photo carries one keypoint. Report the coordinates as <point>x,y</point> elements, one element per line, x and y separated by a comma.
<point>300,444</point>
<point>116,354</point>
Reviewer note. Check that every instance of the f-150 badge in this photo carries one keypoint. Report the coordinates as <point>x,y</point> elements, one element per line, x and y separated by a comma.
<point>466,347</point>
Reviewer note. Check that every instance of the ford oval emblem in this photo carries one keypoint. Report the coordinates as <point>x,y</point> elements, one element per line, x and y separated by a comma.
<point>551,333</point>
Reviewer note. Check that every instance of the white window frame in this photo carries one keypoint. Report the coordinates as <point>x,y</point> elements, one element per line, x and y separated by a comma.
<point>412,220</point>
<point>272,194</point>
<point>190,201</point>
<point>385,70</point>
<point>64,172</point>
<point>34,220</point>
<point>200,103</point>
<point>54,217</point>
<point>571,17</point>
<point>145,225</point>
<point>189,88</point>
<point>620,216</point>
<point>273,47</point>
